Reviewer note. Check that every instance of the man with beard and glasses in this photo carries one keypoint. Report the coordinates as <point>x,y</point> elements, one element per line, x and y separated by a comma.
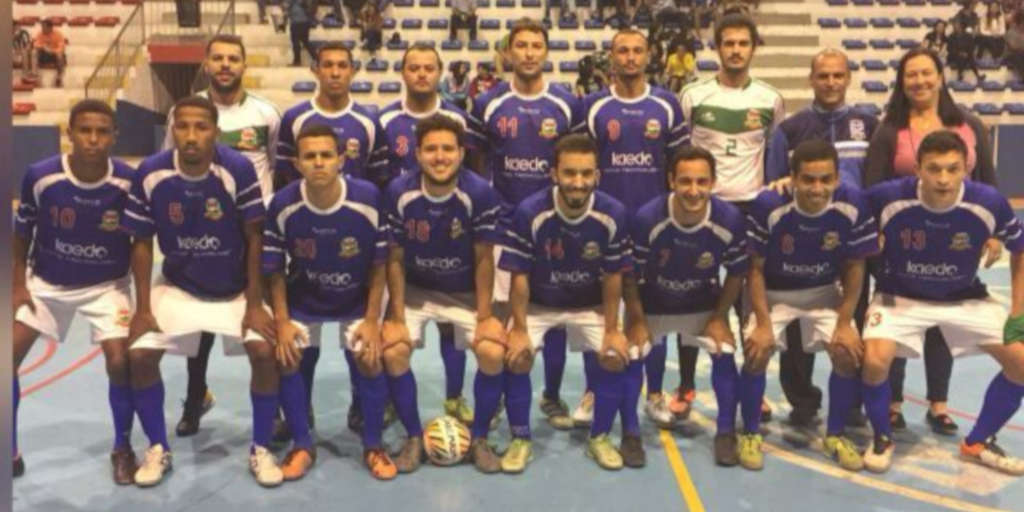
<point>732,115</point>
<point>522,119</point>
<point>248,124</point>
<point>568,248</point>
<point>638,127</point>
<point>443,221</point>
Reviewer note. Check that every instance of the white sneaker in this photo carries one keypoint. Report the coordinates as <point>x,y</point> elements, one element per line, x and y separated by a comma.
<point>657,410</point>
<point>263,466</point>
<point>878,457</point>
<point>583,416</point>
<point>992,455</point>
<point>156,463</point>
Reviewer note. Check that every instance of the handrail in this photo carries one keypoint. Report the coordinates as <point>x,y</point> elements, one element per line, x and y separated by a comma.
<point>95,90</point>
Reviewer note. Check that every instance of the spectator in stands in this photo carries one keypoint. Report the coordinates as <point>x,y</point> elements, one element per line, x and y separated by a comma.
<point>919,105</point>
<point>455,87</point>
<point>681,67</point>
<point>301,15</point>
<point>463,16</point>
<point>936,39</point>
<point>49,48</point>
<point>483,81</point>
<point>960,52</point>
<point>656,65</point>
<point>967,16</point>
<point>563,10</point>
<point>372,23</point>
<point>618,5</point>
<point>591,78</point>
<point>21,51</point>
<point>1014,38</point>
<point>991,31</point>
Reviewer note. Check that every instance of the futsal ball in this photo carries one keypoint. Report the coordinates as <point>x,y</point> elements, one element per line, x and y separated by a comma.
<point>446,441</point>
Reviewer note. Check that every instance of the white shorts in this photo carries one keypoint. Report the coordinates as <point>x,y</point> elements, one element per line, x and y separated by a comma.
<point>502,278</point>
<point>183,317</point>
<point>814,308</point>
<point>966,325</point>
<point>457,309</point>
<point>688,327</point>
<point>107,307</point>
<point>313,332</point>
<point>584,327</point>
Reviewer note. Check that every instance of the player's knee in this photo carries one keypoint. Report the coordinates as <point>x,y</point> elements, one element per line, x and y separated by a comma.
<point>396,359</point>
<point>261,354</point>
<point>757,365</point>
<point>117,367</point>
<point>611,364</point>
<point>876,366</point>
<point>490,356</point>
<point>521,366</point>
<point>843,364</point>
<point>1013,362</point>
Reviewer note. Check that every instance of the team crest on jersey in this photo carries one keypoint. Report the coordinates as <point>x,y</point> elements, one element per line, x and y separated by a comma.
<point>614,130</point>
<point>787,244</point>
<point>349,247</point>
<point>961,241</point>
<point>591,251</point>
<point>753,121</point>
<point>124,317</point>
<point>831,241</point>
<point>653,129</point>
<point>176,213</point>
<point>213,211</point>
<point>110,220</point>
<point>663,256</point>
<point>857,131</point>
<point>456,230</point>
<point>707,116</point>
<point>248,139</point>
<point>352,148</point>
<point>705,260</point>
<point>548,128</point>
<point>402,145</point>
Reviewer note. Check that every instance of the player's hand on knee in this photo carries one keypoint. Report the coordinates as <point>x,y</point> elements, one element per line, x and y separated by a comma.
<point>614,351</point>
<point>21,297</point>
<point>393,332</point>
<point>287,351</point>
<point>638,335</point>
<point>366,345</point>
<point>489,329</point>
<point>758,346</point>
<point>257,319</point>
<point>142,322</point>
<point>992,251</point>
<point>519,355</point>
<point>718,330</point>
<point>846,339</point>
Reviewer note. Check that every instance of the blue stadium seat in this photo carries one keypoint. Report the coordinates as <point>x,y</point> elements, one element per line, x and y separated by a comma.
<point>879,22</point>
<point>992,86</point>
<point>505,3</point>
<point>390,23</point>
<point>357,65</point>
<point>889,3</point>
<point>483,4</point>
<point>449,44</point>
<point>874,65</point>
<point>1016,109</point>
<point>988,64</point>
<point>430,43</point>
<point>403,3</point>
<point>988,109</point>
<point>361,87</point>
<point>854,66</point>
<point>490,24</point>
<point>412,23</point>
<point>389,87</point>
<point>905,22</point>
<point>941,2</point>
<point>907,43</point>
<point>1015,85</point>
<point>558,45</point>
<point>881,44</point>
<point>592,24</point>
<point>304,86</point>
<point>376,64</point>
<point>606,44</point>
<point>930,21</point>
<point>398,65</point>
<point>531,3</point>
<point>863,3</point>
<point>707,65</point>
<point>961,86</point>
<point>429,3</point>
<point>568,66</point>
<point>570,24</point>
<point>438,23</point>
<point>874,86</point>
<point>837,3</point>
<point>914,3</point>
<point>829,23</point>
<point>855,22</point>
<point>331,22</point>
<point>585,45</point>
<point>854,44</point>
<point>548,66</point>
<point>479,45</point>
<point>869,108</point>
<point>894,64</point>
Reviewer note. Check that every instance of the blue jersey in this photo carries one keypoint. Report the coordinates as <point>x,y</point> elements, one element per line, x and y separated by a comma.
<point>677,267</point>
<point>198,221</point>
<point>330,253</point>
<point>521,133</point>
<point>848,128</point>
<point>934,255</point>
<point>73,226</point>
<point>804,251</point>
<point>438,234</point>
<point>636,138</point>
<point>565,258</point>
<point>400,126</point>
<point>361,139</point>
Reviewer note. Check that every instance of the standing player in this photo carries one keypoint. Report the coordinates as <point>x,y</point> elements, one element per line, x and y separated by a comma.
<point>330,229</point>
<point>522,119</point>
<point>443,221</point>
<point>802,244</point>
<point>568,248</point>
<point>682,240</point>
<point>731,115</point>
<point>934,227</point>
<point>248,124</point>
<point>69,256</point>
<point>202,202</point>
<point>637,128</point>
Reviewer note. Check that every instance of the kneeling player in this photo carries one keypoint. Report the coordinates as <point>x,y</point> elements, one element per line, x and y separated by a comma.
<point>336,245</point>
<point>681,239</point>
<point>441,268</point>
<point>68,216</point>
<point>568,248</point>
<point>801,245</point>
<point>934,227</point>
<point>202,202</point>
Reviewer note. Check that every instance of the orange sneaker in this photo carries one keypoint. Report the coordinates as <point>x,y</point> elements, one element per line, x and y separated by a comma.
<point>681,401</point>
<point>379,464</point>
<point>297,463</point>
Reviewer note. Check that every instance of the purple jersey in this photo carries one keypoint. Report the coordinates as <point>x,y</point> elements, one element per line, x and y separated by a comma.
<point>400,126</point>
<point>438,234</point>
<point>330,253</point>
<point>198,221</point>
<point>677,267</point>
<point>521,133</point>
<point>361,139</point>
<point>934,255</point>
<point>566,258</point>
<point>73,226</point>
<point>636,138</point>
<point>804,251</point>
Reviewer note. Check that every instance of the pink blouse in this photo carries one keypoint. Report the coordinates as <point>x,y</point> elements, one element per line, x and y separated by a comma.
<point>905,159</point>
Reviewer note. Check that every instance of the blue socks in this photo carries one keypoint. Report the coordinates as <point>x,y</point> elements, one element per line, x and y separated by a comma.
<point>373,395</point>
<point>842,394</point>
<point>264,409</point>
<point>518,391</point>
<point>123,410</point>
<point>486,395</point>
<point>454,363</point>
<point>751,396</point>
<point>633,382</point>
<point>655,366</point>
<point>1002,399</point>
<point>554,361</point>
<point>149,404</point>
<point>725,380</point>
<point>403,395</point>
<point>14,416</point>
<point>876,405</point>
<point>607,387</point>
<point>296,409</point>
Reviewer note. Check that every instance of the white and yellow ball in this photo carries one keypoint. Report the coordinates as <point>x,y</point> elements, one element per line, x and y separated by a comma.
<point>446,441</point>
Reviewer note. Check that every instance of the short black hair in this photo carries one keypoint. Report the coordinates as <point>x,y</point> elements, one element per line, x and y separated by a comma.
<point>226,39</point>
<point>527,25</point>
<point>422,47</point>
<point>333,45</point>
<point>687,154</point>
<point>316,130</point>
<point>942,141</point>
<point>812,150</point>
<point>736,21</point>
<point>439,122</point>
<point>629,32</point>
<point>198,102</point>
<point>575,143</point>
<point>91,106</point>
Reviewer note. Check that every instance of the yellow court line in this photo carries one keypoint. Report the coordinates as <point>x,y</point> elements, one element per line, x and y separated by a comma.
<point>675,459</point>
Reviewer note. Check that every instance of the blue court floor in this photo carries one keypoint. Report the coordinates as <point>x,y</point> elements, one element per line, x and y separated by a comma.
<point>65,435</point>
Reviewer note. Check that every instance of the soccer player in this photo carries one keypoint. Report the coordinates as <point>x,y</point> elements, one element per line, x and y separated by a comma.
<point>637,128</point>
<point>568,248</point>
<point>934,226</point>
<point>732,115</point>
<point>248,124</point>
<point>522,119</point>
<point>70,256</point>
<point>681,241</point>
<point>202,202</point>
<point>443,222</point>
<point>330,232</point>
<point>802,244</point>
<point>363,145</point>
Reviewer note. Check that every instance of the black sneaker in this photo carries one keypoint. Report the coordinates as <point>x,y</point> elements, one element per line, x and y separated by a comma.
<point>18,467</point>
<point>803,418</point>
<point>941,424</point>
<point>632,451</point>
<point>188,425</point>
<point>897,422</point>
<point>726,451</point>
<point>355,419</point>
<point>766,412</point>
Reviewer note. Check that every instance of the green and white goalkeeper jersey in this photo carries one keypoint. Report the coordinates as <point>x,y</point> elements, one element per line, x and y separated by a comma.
<point>735,126</point>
